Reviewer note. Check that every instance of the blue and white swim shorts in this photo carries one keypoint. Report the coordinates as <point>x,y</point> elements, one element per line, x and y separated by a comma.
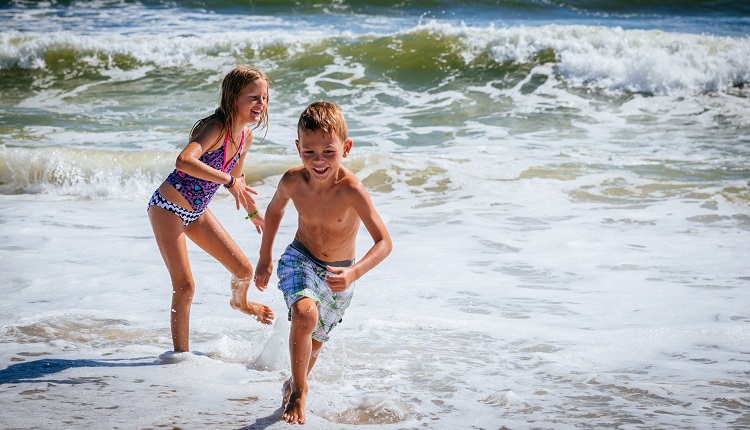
<point>302,275</point>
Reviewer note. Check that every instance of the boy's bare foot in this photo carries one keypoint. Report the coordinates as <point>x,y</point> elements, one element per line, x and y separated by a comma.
<point>295,407</point>
<point>286,391</point>
<point>259,311</point>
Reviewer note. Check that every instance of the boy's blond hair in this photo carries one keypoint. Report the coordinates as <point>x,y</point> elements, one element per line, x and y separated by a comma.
<point>323,116</point>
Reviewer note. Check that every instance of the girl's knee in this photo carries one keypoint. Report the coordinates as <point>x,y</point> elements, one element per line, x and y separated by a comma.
<point>245,272</point>
<point>183,291</point>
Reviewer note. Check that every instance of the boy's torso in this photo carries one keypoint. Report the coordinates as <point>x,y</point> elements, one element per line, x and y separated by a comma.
<point>328,222</point>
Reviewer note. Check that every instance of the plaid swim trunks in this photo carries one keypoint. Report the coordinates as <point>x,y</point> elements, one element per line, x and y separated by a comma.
<point>302,275</point>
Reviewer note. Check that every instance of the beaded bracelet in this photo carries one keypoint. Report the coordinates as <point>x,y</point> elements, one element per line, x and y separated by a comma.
<point>252,214</point>
<point>231,182</point>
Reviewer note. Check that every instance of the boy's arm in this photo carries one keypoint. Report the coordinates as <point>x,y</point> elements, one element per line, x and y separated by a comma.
<point>344,276</point>
<point>274,213</point>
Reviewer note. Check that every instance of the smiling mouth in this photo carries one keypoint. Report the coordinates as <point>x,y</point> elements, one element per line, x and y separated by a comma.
<point>320,170</point>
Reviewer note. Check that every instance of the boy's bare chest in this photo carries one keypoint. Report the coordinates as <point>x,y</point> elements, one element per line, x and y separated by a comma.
<point>325,212</point>
<point>315,205</point>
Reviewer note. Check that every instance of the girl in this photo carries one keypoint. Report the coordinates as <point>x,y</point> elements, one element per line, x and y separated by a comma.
<point>214,157</point>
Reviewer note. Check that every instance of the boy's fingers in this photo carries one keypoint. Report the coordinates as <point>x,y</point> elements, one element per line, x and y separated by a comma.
<point>335,270</point>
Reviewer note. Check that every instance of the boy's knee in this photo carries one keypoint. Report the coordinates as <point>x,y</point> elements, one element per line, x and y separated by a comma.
<point>305,313</point>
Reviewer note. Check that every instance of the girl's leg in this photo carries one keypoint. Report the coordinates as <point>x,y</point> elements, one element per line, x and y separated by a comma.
<point>211,236</point>
<point>170,237</point>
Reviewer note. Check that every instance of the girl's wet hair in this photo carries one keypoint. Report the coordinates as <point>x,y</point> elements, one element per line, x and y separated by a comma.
<point>231,87</point>
<point>323,116</point>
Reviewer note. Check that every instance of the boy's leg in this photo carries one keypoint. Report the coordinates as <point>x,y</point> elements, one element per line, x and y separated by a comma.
<point>287,389</point>
<point>304,321</point>
<point>211,236</point>
<point>170,237</point>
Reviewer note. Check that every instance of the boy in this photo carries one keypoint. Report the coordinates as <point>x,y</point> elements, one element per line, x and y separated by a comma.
<point>317,271</point>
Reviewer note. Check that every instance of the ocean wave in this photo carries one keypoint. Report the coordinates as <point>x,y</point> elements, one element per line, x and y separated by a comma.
<point>602,58</point>
<point>66,50</point>
<point>102,174</point>
<point>615,59</point>
<point>79,172</point>
<point>672,7</point>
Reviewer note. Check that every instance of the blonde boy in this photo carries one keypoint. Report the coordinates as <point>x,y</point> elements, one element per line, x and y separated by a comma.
<point>317,271</point>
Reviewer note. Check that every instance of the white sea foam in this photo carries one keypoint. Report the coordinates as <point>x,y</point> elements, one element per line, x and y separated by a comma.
<point>521,284</point>
<point>615,59</point>
<point>562,259</point>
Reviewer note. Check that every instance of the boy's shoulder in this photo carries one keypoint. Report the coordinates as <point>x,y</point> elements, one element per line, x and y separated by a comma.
<point>350,181</point>
<point>294,174</point>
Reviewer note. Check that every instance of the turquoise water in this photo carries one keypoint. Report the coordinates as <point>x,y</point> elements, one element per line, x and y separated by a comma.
<point>566,184</point>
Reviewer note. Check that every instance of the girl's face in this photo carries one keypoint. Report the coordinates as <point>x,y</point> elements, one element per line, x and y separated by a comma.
<point>252,102</point>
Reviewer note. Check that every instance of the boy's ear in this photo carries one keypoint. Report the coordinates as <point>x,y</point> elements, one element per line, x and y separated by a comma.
<point>296,143</point>
<point>347,147</point>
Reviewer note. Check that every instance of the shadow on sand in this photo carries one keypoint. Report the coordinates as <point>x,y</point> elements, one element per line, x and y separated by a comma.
<point>29,371</point>
<point>265,422</point>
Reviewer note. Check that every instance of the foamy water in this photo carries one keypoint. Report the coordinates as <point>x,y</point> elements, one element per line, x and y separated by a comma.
<point>568,204</point>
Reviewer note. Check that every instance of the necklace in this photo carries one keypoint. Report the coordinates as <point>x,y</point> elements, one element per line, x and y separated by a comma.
<point>234,144</point>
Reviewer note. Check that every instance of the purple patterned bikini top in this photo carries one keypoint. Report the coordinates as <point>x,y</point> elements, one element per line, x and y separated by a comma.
<point>199,192</point>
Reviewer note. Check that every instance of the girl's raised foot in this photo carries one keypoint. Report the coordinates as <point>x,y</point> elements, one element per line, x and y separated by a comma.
<point>262,313</point>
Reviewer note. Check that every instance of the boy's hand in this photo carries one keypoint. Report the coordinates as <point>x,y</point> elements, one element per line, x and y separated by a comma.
<point>339,278</point>
<point>262,274</point>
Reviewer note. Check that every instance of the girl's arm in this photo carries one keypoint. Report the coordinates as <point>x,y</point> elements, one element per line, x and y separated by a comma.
<point>188,160</point>
<point>241,192</point>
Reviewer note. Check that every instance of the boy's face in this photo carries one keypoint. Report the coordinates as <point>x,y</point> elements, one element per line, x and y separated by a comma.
<point>321,153</point>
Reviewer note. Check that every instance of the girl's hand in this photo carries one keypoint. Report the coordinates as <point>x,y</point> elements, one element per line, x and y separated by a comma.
<point>243,195</point>
<point>258,220</point>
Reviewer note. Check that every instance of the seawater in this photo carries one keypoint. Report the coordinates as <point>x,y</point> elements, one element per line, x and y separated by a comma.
<point>566,186</point>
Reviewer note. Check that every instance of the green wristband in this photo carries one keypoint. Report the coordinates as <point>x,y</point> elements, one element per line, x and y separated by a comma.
<point>252,214</point>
